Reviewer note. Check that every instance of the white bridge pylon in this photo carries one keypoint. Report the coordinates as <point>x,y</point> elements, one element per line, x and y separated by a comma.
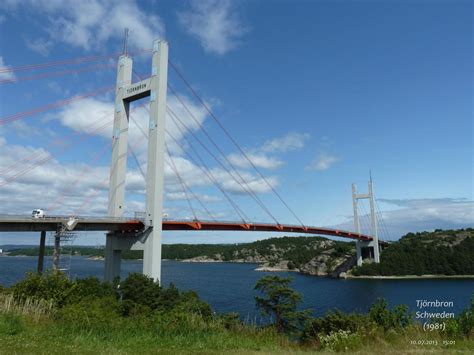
<point>150,239</point>
<point>374,244</point>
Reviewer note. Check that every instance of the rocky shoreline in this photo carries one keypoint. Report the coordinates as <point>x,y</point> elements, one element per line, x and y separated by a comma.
<point>407,277</point>
<point>339,273</point>
<point>96,258</point>
<point>324,264</point>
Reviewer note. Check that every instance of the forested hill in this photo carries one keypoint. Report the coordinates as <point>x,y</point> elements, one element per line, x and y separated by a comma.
<point>442,252</point>
<point>309,255</point>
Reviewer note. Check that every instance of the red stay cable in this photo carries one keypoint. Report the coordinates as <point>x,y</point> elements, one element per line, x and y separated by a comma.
<point>77,60</point>
<point>44,160</point>
<point>53,105</point>
<point>54,205</point>
<point>57,73</point>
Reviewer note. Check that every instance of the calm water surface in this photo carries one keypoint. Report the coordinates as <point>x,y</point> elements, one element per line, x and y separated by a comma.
<point>228,287</point>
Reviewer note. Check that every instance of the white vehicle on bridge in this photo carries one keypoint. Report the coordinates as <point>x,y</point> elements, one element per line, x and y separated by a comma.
<point>37,213</point>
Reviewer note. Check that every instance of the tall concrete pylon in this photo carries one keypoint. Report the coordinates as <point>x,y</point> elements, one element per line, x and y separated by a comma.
<point>373,219</point>
<point>150,239</point>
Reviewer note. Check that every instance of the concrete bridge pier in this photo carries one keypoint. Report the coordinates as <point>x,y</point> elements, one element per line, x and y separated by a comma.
<point>41,252</point>
<point>113,258</point>
<point>116,242</point>
<point>359,252</point>
<point>56,252</point>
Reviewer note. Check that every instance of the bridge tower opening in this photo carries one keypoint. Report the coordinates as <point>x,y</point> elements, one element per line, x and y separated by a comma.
<point>155,87</point>
<point>373,244</point>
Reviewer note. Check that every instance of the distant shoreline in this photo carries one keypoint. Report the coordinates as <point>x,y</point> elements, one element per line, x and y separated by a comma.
<point>406,277</point>
<point>276,269</point>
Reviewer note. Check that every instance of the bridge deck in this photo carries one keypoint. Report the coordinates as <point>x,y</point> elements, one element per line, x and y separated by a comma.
<point>29,224</point>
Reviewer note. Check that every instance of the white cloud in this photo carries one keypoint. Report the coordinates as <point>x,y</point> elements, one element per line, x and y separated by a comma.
<point>90,24</point>
<point>90,113</point>
<point>39,45</point>
<point>416,215</point>
<point>323,161</point>
<point>246,181</point>
<point>260,156</point>
<point>257,159</point>
<point>290,142</point>
<point>177,196</point>
<point>45,184</point>
<point>83,115</point>
<point>445,210</point>
<point>214,23</point>
<point>23,130</point>
<point>86,185</point>
<point>6,75</point>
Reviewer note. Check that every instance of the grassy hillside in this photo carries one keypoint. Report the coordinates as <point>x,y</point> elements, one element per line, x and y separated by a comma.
<point>442,252</point>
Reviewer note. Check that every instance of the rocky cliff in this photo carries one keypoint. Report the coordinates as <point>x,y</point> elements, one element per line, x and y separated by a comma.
<point>311,256</point>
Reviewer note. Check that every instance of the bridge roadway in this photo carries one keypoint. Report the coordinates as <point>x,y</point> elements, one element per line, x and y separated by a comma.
<point>20,223</point>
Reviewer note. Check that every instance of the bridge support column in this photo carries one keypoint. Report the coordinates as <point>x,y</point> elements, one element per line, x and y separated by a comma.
<point>373,220</point>
<point>155,158</point>
<point>41,252</point>
<point>119,164</point>
<point>359,252</point>
<point>56,252</point>
<point>113,259</point>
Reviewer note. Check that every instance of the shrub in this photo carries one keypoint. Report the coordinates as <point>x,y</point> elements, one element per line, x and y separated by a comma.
<point>90,287</point>
<point>465,321</point>
<point>55,287</point>
<point>397,318</point>
<point>341,340</point>
<point>139,293</point>
<point>189,302</point>
<point>230,321</point>
<point>89,313</point>
<point>334,321</point>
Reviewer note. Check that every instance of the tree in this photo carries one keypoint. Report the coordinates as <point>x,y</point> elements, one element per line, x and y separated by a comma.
<point>139,294</point>
<point>395,318</point>
<point>280,302</point>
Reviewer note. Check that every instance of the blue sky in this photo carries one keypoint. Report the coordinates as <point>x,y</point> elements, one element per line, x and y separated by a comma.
<point>317,93</point>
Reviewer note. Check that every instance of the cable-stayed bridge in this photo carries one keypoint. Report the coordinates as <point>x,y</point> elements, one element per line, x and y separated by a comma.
<point>20,223</point>
<point>144,232</point>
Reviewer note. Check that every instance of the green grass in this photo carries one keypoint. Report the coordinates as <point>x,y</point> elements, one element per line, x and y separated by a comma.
<point>20,335</point>
<point>50,314</point>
